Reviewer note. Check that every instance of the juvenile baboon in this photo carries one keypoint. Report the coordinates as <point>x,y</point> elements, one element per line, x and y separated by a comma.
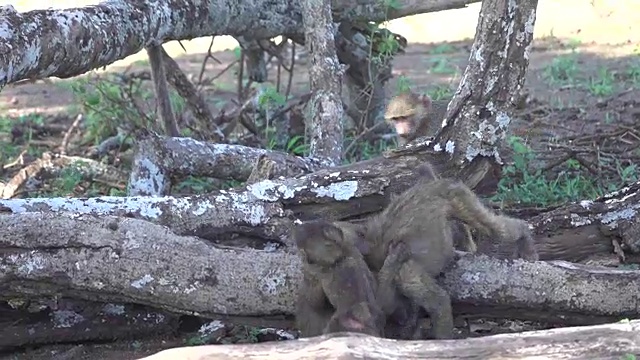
<point>462,238</point>
<point>338,289</point>
<point>413,115</point>
<point>419,218</point>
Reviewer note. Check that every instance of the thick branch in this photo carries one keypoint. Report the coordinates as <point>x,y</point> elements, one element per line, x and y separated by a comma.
<point>325,76</point>
<point>82,39</point>
<point>612,341</point>
<point>167,120</point>
<point>158,158</point>
<point>133,261</point>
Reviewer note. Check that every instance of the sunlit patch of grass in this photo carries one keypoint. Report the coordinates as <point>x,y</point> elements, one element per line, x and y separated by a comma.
<point>562,70</point>
<point>602,84</point>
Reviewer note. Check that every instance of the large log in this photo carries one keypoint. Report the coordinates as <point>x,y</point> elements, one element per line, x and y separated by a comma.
<point>612,341</point>
<point>85,38</point>
<point>267,209</point>
<point>36,320</point>
<point>104,258</point>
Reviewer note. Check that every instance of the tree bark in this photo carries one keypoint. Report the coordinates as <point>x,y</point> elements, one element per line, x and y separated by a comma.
<point>479,114</point>
<point>612,341</point>
<point>158,158</point>
<point>63,320</point>
<point>125,260</point>
<point>76,45</point>
<point>325,76</point>
<point>266,209</point>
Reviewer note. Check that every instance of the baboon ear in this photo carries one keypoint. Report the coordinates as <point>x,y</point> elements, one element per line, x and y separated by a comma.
<point>426,100</point>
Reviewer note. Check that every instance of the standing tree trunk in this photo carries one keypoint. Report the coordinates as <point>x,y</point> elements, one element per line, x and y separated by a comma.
<point>479,114</point>
<point>325,110</point>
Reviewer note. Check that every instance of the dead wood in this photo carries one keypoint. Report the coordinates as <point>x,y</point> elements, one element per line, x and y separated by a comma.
<point>266,209</point>
<point>611,341</point>
<point>193,99</point>
<point>122,29</point>
<point>63,320</point>
<point>166,117</point>
<point>50,165</point>
<point>479,114</point>
<point>159,158</point>
<point>109,259</point>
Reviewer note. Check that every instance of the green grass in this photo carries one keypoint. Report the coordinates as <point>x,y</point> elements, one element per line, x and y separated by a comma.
<point>521,185</point>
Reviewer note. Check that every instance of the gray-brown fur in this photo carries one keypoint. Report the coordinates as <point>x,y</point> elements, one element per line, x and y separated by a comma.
<point>338,289</point>
<point>413,115</point>
<point>419,218</point>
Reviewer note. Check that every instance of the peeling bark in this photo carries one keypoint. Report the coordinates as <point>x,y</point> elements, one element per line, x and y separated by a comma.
<point>612,341</point>
<point>128,260</point>
<point>82,39</point>
<point>325,76</point>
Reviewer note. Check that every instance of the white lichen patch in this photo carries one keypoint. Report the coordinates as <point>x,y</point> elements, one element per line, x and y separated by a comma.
<point>147,206</point>
<point>449,147</point>
<point>343,190</point>
<point>210,327</point>
<point>622,199</point>
<point>611,218</point>
<point>616,193</point>
<point>27,263</point>
<point>112,309</point>
<point>271,283</point>
<point>437,147</point>
<point>153,182</point>
<point>577,220</point>
<point>586,204</point>
<point>192,287</point>
<point>142,282</point>
<point>268,190</point>
<point>66,318</point>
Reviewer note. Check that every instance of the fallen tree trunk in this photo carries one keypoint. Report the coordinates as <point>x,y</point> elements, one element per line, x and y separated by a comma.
<point>111,259</point>
<point>612,341</point>
<point>267,209</point>
<point>61,320</point>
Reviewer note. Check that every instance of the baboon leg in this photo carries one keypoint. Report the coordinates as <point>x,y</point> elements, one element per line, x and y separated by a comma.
<point>402,324</point>
<point>422,288</point>
<point>386,294</point>
<point>462,237</point>
<point>468,244</point>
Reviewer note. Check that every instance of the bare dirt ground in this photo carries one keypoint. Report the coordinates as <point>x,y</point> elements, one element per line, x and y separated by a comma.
<point>584,104</point>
